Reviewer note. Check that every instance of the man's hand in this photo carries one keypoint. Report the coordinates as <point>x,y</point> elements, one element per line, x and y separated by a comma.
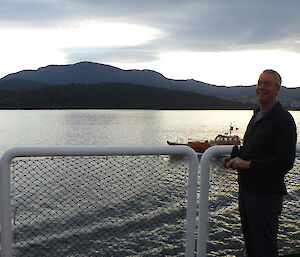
<point>235,163</point>
<point>225,160</point>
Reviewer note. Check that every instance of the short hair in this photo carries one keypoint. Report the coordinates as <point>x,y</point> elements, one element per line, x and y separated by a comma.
<point>278,79</point>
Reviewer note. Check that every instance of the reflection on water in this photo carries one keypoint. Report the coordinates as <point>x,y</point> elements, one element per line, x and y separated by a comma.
<point>115,127</point>
<point>99,206</point>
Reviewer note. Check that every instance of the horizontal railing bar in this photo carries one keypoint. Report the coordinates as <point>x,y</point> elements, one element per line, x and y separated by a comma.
<point>97,150</point>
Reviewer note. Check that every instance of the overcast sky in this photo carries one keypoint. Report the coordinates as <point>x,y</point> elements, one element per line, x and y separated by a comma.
<point>222,42</point>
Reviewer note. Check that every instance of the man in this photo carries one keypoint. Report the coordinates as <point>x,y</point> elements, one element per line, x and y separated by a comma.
<point>267,154</point>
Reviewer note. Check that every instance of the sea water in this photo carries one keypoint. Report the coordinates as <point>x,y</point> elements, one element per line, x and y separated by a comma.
<point>137,127</point>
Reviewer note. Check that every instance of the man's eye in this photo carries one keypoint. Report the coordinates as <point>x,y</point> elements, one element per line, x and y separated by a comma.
<point>264,83</point>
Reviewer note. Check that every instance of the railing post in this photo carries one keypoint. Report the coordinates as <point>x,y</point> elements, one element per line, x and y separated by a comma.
<point>191,205</point>
<point>204,194</point>
<point>5,208</point>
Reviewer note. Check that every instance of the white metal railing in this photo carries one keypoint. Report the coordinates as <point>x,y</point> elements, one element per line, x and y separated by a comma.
<point>5,186</point>
<point>205,168</point>
<point>204,184</point>
<point>204,195</point>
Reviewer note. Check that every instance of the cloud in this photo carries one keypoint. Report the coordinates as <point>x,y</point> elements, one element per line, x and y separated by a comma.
<point>234,25</point>
<point>191,25</point>
<point>117,54</point>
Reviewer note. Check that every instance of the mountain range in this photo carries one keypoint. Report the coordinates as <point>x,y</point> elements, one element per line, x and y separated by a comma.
<point>145,85</point>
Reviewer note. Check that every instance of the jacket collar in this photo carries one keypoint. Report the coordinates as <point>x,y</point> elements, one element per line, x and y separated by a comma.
<point>271,112</point>
<point>273,107</point>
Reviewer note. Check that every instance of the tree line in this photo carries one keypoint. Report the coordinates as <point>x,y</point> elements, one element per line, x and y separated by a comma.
<point>111,96</point>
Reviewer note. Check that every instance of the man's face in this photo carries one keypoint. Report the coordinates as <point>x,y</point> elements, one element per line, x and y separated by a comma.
<point>267,89</point>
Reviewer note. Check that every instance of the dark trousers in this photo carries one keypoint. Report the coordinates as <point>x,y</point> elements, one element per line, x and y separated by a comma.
<point>260,218</point>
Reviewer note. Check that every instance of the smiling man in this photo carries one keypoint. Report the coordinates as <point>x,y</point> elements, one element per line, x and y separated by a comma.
<point>267,89</point>
<point>267,154</point>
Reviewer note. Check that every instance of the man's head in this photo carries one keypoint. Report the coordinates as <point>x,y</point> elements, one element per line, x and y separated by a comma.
<point>268,87</point>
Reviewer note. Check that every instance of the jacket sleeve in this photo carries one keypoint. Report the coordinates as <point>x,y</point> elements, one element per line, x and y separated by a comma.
<point>236,151</point>
<point>285,149</point>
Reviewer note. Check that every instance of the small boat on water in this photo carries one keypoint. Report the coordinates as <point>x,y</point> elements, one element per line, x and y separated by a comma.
<point>201,146</point>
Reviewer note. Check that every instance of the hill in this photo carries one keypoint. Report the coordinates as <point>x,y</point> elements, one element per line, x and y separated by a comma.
<point>95,73</point>
<point>110,95</point>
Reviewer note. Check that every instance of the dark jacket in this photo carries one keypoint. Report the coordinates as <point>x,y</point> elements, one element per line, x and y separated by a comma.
<point>270,145</point>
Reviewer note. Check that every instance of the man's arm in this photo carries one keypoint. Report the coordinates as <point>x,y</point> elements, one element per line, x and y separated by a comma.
<point>283,159</point>
<point>238,163</point>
